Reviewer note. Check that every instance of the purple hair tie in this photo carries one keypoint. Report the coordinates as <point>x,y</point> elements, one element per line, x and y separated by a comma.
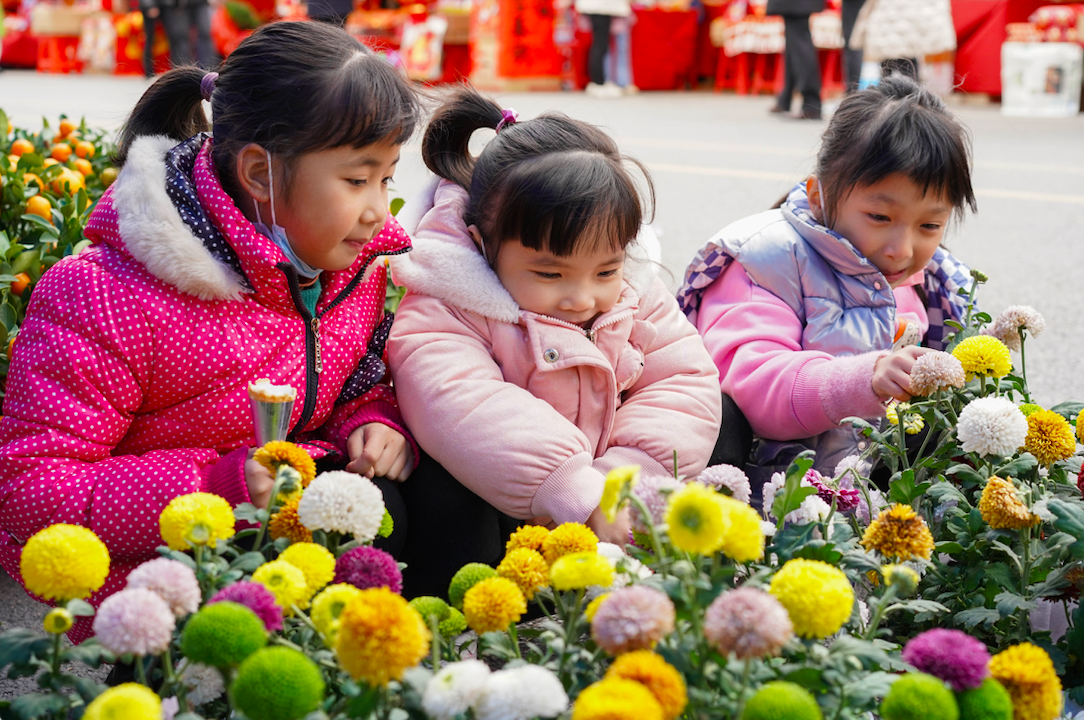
<point>207,85</point>
<point>508,117</point>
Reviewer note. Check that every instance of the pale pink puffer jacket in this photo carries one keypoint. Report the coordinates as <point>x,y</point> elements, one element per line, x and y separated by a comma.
<point>528,411</point>
<point>130,376</point>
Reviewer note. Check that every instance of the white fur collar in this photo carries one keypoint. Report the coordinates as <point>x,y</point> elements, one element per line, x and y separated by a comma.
<point>154,233</point>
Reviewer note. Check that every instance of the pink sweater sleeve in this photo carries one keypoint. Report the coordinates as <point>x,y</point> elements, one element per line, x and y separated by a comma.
<point>786,392</point>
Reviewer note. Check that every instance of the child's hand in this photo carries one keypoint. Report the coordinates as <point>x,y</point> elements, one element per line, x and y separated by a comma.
<point>616,532</point>
<point>377,450</point>
<point>259,480</point>
<point>892,373</point>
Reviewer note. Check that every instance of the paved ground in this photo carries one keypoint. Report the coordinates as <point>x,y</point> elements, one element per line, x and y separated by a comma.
<point>715,158</point>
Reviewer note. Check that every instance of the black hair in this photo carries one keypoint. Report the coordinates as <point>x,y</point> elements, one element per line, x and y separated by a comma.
<point>896,127</point>
<point>291,87</point>
<point>550,182</point>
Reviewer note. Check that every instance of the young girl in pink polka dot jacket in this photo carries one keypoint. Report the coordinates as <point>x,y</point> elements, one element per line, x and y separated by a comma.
<point>130,374</point>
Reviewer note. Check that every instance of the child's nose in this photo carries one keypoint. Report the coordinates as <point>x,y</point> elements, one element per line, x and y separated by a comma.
<point>374,211</point>
<point>900,247</point>
<point>578,300</point>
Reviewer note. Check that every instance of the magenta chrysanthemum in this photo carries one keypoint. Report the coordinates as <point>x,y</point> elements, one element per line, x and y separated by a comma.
<point>655,491</point>
<point>846,496</point>
<point>368,567</point>
<point>134,621</point>
<point>173,581</point>
<point>633,618</point>
<point>747,622</point>
<point>953,656</point>
<point>729,477</point>
<point>256,598</point>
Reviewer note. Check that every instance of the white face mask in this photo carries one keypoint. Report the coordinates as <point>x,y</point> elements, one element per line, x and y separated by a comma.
<point>277,234</point>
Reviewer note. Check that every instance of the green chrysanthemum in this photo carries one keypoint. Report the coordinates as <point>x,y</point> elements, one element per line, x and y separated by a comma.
<point>465,578</point>
<point>454,626</point>
<point>989,701</point>
<point>222,634</point>
<point>918,695</point>
<point>277,683</point>
<point>781,700</point>
<point>428,606</point>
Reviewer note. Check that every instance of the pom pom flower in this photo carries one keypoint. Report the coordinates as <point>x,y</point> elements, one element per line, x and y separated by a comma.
<point>172,581</point>
<point>989,701</point>
<point>983,355</point>
<point>744,539</point>
<point>130,701</point>
<point>950,655</point>
<point>134,621</point>
<point>727,476</point>
<point>277,683</point>
<point>780,699</point>
<point>900,533</point>
<point>64,562</point>
<point>493,604</point>
<point>277,453</point>
<point>380,636</point>
<point>286,523</point>
<point>658,676</point>
<point>1012,321</point>
<point>918,695</point>
<point>1001,507</point>
<point>527,536</point>
<point>934,372</point>
<point>465,578</point>
<point>527,569</point>
<point>222,635</point>
<point>256,598</point>
<point>524,692</point>
<point>1050,437</point>
<point>203,682</point>
<point>654,491</point>
<point>328,606</point>
<point>613,698</point>
<point>1028,675</point>
<point>342,502</point>
<point>566,539</point>
<point>454,689</point>
<point>450,622</point>
<point>578,570</point>
<point>315,561</point>
<point>618,481</point>
<point>991,426</point>
<point>817,596</point>
<point>632,618</point>
<point>747,622</point>
<point>57,621</point>
<point>285,582</point>
<point>368,567</point>
<point>196,519</point>
<point>696,520</point>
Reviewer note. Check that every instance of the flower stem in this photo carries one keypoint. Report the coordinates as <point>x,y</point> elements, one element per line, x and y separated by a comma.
<point>1023,365</point>
<point>258,545</point>
<point>649,520</point>
<point>901,440</point>
<point>879,613</point>
<point>201,575</point>
<point>173,682</point>
<point>515,638</point>
<point>56,655</point>
<point>747,667</point>
<point>141,672</point>
<point>434,629</point>
<point>1025,581</point>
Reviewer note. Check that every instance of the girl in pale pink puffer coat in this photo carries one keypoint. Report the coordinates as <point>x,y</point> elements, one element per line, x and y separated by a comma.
<point>130,374</point>
<point>535,349</point>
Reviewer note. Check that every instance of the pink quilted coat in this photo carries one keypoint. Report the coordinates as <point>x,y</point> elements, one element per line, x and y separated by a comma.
<point>130,377</point>
<point>528,411</point>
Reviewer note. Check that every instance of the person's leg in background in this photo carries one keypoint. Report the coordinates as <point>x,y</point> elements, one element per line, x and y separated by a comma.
<point>178,30</point>
<point>852,59</point>
<point>205,49</point>
<point>786,97</point>
<point>150,27</point>
<point>600,43</point>
<point>622,51</point>
<point>807,67</point>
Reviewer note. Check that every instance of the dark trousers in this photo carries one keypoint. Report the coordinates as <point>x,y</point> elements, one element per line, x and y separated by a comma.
<point>600,44</point>
<point>801,65</point>
<point>150,26</point>
<point>852,59</point>
<point>180,22</point>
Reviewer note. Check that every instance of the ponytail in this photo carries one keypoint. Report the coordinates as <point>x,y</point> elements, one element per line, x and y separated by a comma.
<point>446,146</point>
<point>172,106</point>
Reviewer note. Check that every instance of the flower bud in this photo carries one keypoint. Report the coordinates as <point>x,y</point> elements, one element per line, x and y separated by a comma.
<point>58,621</point>
<point>901,577</point>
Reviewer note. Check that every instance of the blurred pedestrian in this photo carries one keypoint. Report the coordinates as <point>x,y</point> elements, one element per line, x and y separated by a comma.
<point>332,12</point>
<point>801,65</point>
<point>182,18</point>
<point>151,14</point>
<point>898,33</point>
<point>601,14</point>
<point>852,59</point>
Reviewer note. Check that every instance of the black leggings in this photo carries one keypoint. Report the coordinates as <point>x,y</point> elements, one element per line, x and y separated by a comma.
<point>600,44</point>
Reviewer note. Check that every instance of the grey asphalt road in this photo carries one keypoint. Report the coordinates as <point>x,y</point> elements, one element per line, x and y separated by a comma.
<point>715,158</point>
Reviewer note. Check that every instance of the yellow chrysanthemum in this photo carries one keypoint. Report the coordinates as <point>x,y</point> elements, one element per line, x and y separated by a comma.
<point>527,569</point>
<point>593,606</point>
<point>1001,507</point>
<point>1027,672</point>
<point>900,533</point>
<point>280,452</point>
<point>286,583</point>
<point>983,355</point>
<point>315,561</point>
<point>493,604</point>
<point>130,701</point>
<point>617,480</point>
<point>196,519</point>
<point>63,562</point>
<point>912,422</point>
<point>616,699</point>
<point>566,539</point>
<point>696,520</point>
<point>527,536</point>
<point>380,636</point>
<point>817,596</point>
<point>744,540</point>
<point>328,606</point>
<point>903,578</point>
<point>1050,437</point>
<point>57,621</point>
<point>657,675</point>
<point>286,524</point>
<point>578,570</point>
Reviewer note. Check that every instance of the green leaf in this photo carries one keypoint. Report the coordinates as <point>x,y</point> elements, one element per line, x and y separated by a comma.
<point>80,608</point>
<point>790,498</point>
<point>188,716</point>
<point>866,689</point>
<point>949,547</point>
<point>32,707</point>
<point>1070,519</point>
<point>1009,603</point>
<point>88,689</point>
<point>38,221</point>
<point>965,472</point>
<point>918,605</point>
<point>246,512</point>
<point>248,562</point>
<point>812,679</point>
<point>19,645</point>
<point>977,616</point>
<point>397,205</point>
<point>903,489</point>
<point>820,550</point>
<point>1017,467</point>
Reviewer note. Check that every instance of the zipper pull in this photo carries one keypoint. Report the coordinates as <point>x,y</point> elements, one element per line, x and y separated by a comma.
<point>590,335</point>
<point>316,336</point>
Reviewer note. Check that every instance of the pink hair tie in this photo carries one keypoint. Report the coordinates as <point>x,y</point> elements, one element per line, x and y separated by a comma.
<point>207,85</point>
<point>508,117</point>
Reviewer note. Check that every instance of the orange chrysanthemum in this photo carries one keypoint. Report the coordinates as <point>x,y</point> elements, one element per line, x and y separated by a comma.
<point>1002,508</point>
<point>568,538</point>
<point>286,524</point>
<point>900,533</point>
<point>527,536</point>
<point>280,452</point>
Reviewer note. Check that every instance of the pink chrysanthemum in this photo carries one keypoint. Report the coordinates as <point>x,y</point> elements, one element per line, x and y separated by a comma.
<point>951,655</point>
<point>633,618</point>
<point>135,621</point>
<point>256,598</point>
<point>173,581</point>
<point>729,477</point>
<point>368,567</point>
<point>655,491</point>
<point>747,622</point>
<point>1007,326</point>
<point>846,495</point>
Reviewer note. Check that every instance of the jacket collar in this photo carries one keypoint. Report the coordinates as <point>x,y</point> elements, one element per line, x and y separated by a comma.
<point>833,247</point>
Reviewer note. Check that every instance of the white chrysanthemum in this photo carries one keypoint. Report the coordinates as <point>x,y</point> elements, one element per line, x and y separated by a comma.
<point>992,426</point>
<point>203,683</point>
<point>521,693</point>
<point>730,477</point>
<point>344,502</point>
<point>172,581</point>
<point>455,689</point>
<point>629,569</point>
<point>852,462</point>
<point>879,503</point>
<point>813,508</point>
<point>1007,325</point>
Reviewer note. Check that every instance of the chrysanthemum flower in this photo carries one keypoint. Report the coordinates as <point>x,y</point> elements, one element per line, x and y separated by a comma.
<point>817,596</point>
<point>899,533</point>
<point>256,598</point>
<point>747,622</point>
<point>813,508</point>
<point>527,569</point>
<point>196,519</point>
<point>286,523</point>
<point>729,477</point>
<point>173,581</point>
<point>527,536</point>
<point>429,606</point>
<point>918,695</point>
<point>454,689</point>
<point>989,701</point>
<point>862,512</point>
<point>578,570</point>
<point>912,421</point>
<point>366,567</point>
<point>617,480</point>
<point>743,540</point>
<point>465,578</point>
<point>454,626</point>
<point>568,538</point>
<point>277,683</point>
<point>280,452</point>
<point>1050,437</point>
<point>57,621</point>
<point>983,355</point>
<point>315,561</point>
<point>1007,326</point>
<point>523,692</point>
<point>1028,674</point>
<point>627,570</point>
<point>380,636</point>
<point>1001,507</point>
<point>654,491</point>
<point>991,426</point>
<point>936,371</point>
<point>780,699</point>
<point>130,701</point>
<point>328,606</point>
<point>633,618</point>
<point>285,582</point>
<point>616,698</point>
<point>593,606</point>
<point>843,493</point>
<point>951,655</point>
<point>657,675</point>
<point>343,502</point>
<point>903,578</point>
<point>64,562</point>
<point>135,621</point>
<point>222,634</point>
<point>696,520</point>
<point>493,604</point>
<point>202,683</point>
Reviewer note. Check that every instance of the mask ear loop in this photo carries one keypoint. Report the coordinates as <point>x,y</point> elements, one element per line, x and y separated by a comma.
<point>820,198</point>
<point>271,181</point>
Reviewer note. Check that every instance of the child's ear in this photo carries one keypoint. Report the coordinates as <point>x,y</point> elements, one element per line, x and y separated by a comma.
<point>813,191</point>
<point>252,172</point>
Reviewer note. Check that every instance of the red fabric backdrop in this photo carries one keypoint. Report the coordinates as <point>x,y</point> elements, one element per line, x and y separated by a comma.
<point>664,49</point>
<point>980,30</point>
